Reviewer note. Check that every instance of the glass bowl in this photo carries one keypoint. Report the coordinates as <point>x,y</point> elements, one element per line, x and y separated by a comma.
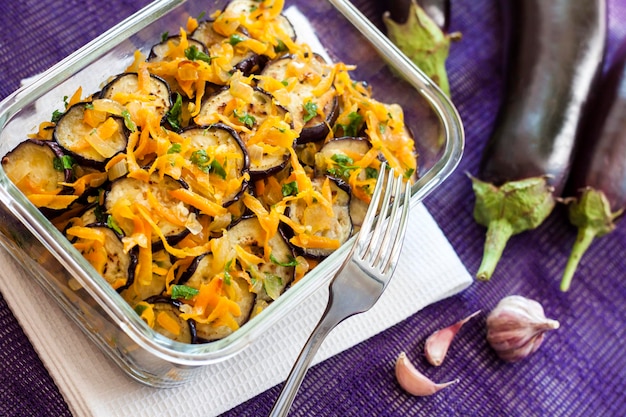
<point>343,33</point>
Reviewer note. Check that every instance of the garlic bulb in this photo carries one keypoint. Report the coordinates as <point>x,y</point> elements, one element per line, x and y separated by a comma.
<point>516,327</point>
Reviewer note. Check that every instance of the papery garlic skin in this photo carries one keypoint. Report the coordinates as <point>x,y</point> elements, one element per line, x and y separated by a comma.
<point>516,327</point>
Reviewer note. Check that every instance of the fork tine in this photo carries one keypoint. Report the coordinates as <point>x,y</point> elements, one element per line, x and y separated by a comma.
<point>386,226</point>
<point>374,240</point>
<point>399,237</point>
<point>366,226</point>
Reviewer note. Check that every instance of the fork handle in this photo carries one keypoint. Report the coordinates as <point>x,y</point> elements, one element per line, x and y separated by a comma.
<point>333,315</point>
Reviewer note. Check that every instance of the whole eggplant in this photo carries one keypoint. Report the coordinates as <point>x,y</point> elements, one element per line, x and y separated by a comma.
<point>599,172</point>
<point>555,55</point>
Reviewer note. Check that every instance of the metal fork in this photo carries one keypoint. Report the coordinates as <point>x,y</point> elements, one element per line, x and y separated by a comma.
<point>362,277</point>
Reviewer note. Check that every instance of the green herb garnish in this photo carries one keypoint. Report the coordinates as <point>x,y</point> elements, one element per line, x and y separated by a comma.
<point>128,122</point>
<point>183,291</point>
<point>408,173</point>
<point>164,36</point>
<point>56,116</point>
<point>290,188</point>
<point>310,110</point>
<point>227,276</point>
<point>194,54</point>
<point>140,308</point>
<point>246,118</point>
<point>111,223</point>
<point>351,128</point>
<point>280,47</point>
<point>175,148</point>
<point>343,165</point>
<point>235,38</point>
<point>175,114</point>
<point>206,165</point>
<point>292,261</point>
<point>89,106</point>
<point>63,163</point>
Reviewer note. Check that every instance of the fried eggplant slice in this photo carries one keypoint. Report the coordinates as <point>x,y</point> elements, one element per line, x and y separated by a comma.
<point>104,250</point>
<point>167,319</point>
<point>90,136</point>
<point>326,224</point>
<point>268,279</point>
<point>168,213</point>
<point>219,161</point>
<point>260,123</point>
<point>305,88</point>
<point>38,169</point>
<point>236,289</point>
<point>125,88</point>
<point>243,59</point>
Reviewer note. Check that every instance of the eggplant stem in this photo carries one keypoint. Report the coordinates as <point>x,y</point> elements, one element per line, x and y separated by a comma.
<point>583,239</point>
<point>498,233</point>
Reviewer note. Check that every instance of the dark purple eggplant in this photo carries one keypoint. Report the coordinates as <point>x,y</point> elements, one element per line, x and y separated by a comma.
<point>246,61</point>
<point>555,54</point>
<point>127,85</point>
<point>249,116</point>
<point>119,267</point>
<point>127,190</point>
<point>165,305</point>
<point>313,114</point>
<point>39,167</point>
<point>437,10</point>
<point>220,152</point>
<point>82,140</point>
<point>419,29</point>
<point>338,226</point>
<point>598,175</point>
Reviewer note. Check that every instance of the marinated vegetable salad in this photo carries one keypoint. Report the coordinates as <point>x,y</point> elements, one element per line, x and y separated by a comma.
<point>216,171</point>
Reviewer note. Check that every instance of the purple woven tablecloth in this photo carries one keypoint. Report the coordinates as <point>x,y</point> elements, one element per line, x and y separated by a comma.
<point>579,371</point>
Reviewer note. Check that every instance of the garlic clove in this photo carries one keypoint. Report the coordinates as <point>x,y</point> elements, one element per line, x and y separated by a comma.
<point>438,343</point>
<point>413,381</point>
<point>516,327</point>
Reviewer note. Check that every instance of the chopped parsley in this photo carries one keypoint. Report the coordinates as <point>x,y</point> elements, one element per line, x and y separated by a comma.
<point>409,173</point>
<point>183,291</point>
<point>140,308</point>
<point>371,173</point>
<point>63,163</point>
<point>343,166</point>
<point>236,38</point>
<point>128,122</point>
<point>194,54</point>
<point>246,118</point>
<point>89,106</point>
<point>280,47</point>
<point>292,261</point>
<point>111,223</point>
<point>351,128</point>
<point>227,276</point>
<point>290,188</point>
<point>206,165</point>
<point>175,148</point>
<point>175,114</point>
<point>56,116</point>
<point>164,36</point>
<point>310,110</point>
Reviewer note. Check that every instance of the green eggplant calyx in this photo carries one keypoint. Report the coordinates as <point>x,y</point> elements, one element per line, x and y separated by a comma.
<point>423,42</point>
<point>507,210</point>
<point>591,214</point>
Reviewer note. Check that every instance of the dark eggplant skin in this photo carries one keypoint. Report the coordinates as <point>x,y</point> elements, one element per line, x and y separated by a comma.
<point>438,10</point>
<point>175,304</point>
<point>596,192</point>
<point>555,56</point>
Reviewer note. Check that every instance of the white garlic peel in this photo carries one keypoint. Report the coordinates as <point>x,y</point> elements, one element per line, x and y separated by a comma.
<point>437,344</point>
<point>516,327</point>
<point>413,381</point>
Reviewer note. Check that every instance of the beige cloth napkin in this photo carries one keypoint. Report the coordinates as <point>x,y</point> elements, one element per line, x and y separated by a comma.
<point>428,271</point>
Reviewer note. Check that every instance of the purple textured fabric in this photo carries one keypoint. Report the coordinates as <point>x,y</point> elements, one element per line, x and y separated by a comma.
<point>579,371</point>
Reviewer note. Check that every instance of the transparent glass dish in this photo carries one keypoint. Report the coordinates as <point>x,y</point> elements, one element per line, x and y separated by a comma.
<point>346,35</point>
